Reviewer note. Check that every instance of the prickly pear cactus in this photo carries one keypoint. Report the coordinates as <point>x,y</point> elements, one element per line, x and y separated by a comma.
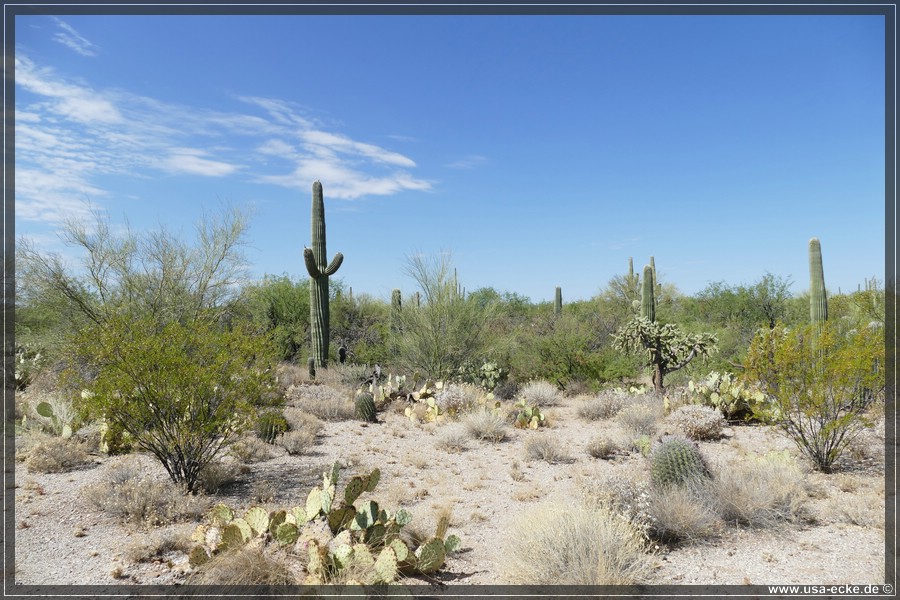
<point>676,460</point>
<point>365,407</point>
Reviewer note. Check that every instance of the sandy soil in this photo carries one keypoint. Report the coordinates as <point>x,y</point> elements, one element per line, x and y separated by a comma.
<point>61,539</point>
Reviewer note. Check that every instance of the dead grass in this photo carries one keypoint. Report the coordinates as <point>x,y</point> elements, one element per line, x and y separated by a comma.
<point>454,438</point>
<point>219,474</point>
<point>542,447</point>
<point>605,447</point>
<point>158,544</point>
<point>604,405</point>
<point>683,514</point>
<point>759,491</point>
<point>250,449</point>
<point>247,566</point>
<point>640,418</point>
<point>58,455</point>
<point>698,422</point>
<point>324,402</point>
<point>540,393</point>
<point>485,424</point>
<point>576,546</point>
<point>130,495</point>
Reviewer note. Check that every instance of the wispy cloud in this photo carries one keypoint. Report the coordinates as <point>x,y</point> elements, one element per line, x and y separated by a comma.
<point>469,162</point>
<point>72,39</point>
<point>70,135</point>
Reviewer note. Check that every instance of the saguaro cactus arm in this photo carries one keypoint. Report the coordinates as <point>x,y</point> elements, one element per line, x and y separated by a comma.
<point>313,270</point>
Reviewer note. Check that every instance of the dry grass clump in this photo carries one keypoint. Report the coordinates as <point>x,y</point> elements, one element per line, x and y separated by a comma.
<point>698,422</point>
<point>58,455</point>
<point>296,442</point>
<point>245,566</point>
<point>542,447</point>
<point>457,397</point>
<point>640,418</point>
<point>158,544</point>
<point>250,449</point>
<point>343,375</point>
<point>540,393</point>
<point>574,545</point>
<point>760,491</point>
<point>322,401</point>
<point>485,424</point>
<point>604,405</point>
<point>684,513</point>
<point>454,438</point>
<point>605,447</point>
<point>131,495</point>
<point>300,420</point>
<point>288,374</point>
<point>219,474</point>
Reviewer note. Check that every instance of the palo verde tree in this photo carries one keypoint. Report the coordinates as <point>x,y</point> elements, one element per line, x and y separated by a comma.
<point>668,348</point>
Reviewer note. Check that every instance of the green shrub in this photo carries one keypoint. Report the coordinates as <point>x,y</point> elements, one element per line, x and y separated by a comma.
<point>182,391</point>
<point>820,384</point>
<point>269,425</point>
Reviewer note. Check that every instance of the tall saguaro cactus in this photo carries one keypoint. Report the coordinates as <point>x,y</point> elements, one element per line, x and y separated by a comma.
<point>818,305</point>
<point>557,302</point>
<point>395,322</point>
<point>319,273</point>
<point>648,303</point>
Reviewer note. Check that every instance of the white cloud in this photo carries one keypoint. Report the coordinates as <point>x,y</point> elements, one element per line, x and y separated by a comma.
<point>72,39</point>
<point>69,136</point>
<point>192,161</point>
<point>469,162</point>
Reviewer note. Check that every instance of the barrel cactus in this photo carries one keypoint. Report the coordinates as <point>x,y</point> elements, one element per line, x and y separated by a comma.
<point>676,460</point>
<point>365,407</point>
<point>319,273</point>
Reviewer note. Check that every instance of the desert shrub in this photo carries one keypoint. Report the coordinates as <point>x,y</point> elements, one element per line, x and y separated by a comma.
<point>542,447</point>
<point>297,442</point>
<point>604,447</point>
<point>640,418</point>
<point>454,438</point>
<point>324,402</point>
<point>250,449</point>
<point>54,412</point>
<point>575,546</point>
<point>182,391</point>
<point>269,425</point>
<point>130,494</point>
<point>820,382</point>
<point>299,420</point>
<point>759,491</point>
<point>457,398</point>
<point>540,393</point>
<point>698,422</point>
<point>58,455</point>
<point>445,332</point>
<point>684,513</point>
<point>218,474</point>
<point>486,424</point>
<point>506,389</point>
<point>604,405</point>
<point>244,566</point>
<point>158,544</point>
<point>289,374</point>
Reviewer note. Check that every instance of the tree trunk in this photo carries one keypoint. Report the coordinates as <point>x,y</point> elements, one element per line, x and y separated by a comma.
<point>658,378</point>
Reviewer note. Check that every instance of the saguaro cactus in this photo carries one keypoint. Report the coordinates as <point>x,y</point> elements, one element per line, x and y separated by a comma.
<point>557,302</point>
<point>818,305</point>
<point>648,303</point>
<point>315,258</point>
<point>395,322</point>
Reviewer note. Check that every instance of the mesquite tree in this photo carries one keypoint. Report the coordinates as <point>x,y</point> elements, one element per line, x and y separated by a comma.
<point>668,347</point>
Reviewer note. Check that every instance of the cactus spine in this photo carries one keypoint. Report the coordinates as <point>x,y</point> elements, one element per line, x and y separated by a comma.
<point>319,273</point>
<point>557,302</point>
<point>648,303</point>
<point>818,306</point>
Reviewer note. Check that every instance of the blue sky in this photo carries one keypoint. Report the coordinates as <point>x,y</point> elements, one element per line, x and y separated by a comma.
<point>541,151</point>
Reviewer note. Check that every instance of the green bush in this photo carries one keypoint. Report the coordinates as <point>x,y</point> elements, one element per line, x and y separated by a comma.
<point>182,391</point>
<point>820,384</point>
